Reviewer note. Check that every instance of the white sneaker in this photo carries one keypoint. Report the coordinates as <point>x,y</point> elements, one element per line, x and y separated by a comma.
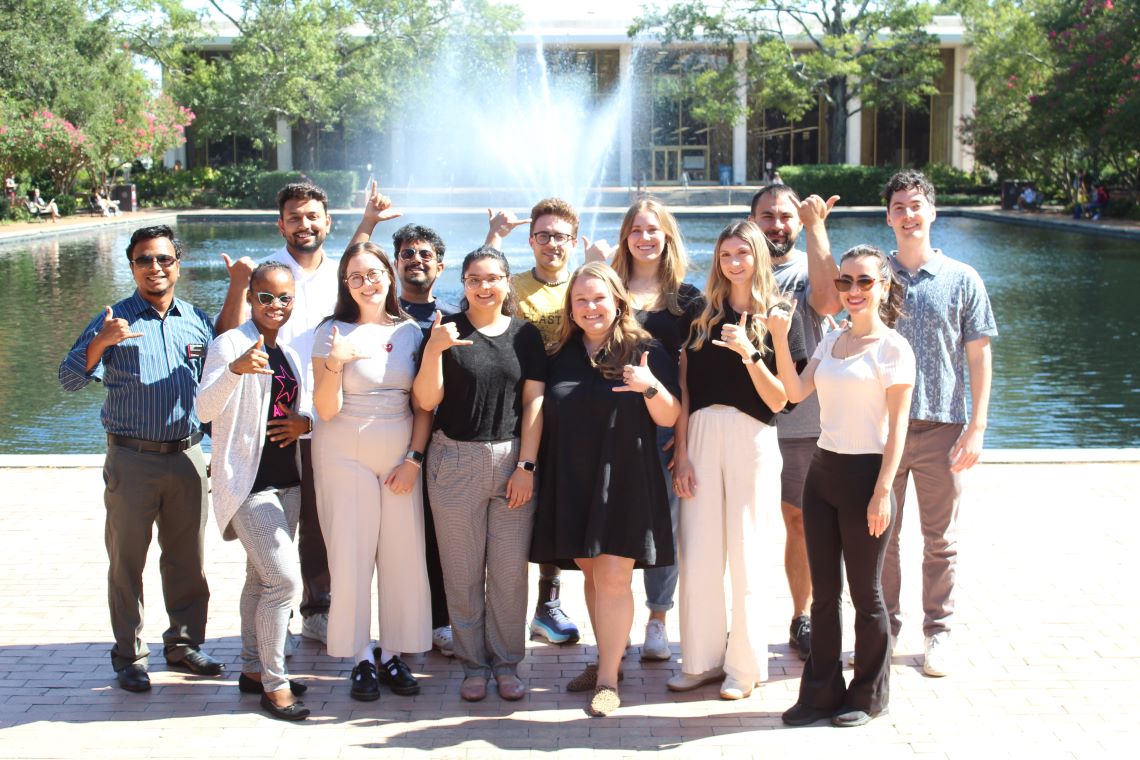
<point>442,640</point>
<point>290,645</point>
<point>316,627</point>
<point>937,662</point>
<point>734,689</point>
<point>656,646</point>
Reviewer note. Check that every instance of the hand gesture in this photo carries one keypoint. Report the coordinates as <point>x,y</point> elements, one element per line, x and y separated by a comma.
<point>343,350</point>
<point>403,479</point>
<point>378,208</point>
<point>815,210</point>
<point>735,337</point>
<point>254,361</point>
<point>637,377</point>
<point>599,250</point>
<point>520,487</point>
<point>114,330</point>
<point>879,514</point>
<point>240,271</point>
<point>832,324</point>
<point>443,336</point>
<point>684,478</point>
<point>966,450</point>
<point>502,223</point>
<point>779,319</point>
<point>286,430</point>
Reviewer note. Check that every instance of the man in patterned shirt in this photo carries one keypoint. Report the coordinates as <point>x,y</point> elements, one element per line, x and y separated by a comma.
<point>948,321</point>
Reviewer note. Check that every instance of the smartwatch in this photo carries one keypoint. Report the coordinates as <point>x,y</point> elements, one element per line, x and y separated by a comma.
<point>527,465</point>
<point>414,456</point>
<point>754,359</point>
<point>651,391</point>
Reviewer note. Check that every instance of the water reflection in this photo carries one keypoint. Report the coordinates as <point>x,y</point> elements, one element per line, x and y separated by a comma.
<point>1064,363</point>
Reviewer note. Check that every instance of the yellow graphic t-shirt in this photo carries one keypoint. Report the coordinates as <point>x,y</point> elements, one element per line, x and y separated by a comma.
<point>541,304</point>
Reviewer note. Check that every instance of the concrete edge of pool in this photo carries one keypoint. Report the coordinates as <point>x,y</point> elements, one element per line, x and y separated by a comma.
<point>989,456</point>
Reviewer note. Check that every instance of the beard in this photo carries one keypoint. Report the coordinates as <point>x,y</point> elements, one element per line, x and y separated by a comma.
<point>780,249</point>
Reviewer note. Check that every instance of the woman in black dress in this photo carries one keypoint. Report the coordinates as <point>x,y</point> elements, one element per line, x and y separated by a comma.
<point>603,505</point>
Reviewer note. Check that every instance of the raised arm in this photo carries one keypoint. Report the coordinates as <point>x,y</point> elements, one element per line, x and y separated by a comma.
<point>798,385</point>
<point>377,209</point>
<point>499,225</point>
<point>428,385</point>
<point>235,310</point>
<point>822,269</point>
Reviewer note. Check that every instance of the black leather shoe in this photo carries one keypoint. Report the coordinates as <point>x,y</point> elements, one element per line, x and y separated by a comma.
<point>133,678</point>
<point>800,714</point>
<point>799,636</point>
<point>295,711</point>
<point>247,685</point>
<point>365,687</point>
<point>397,676</point>
<point>198,663</point>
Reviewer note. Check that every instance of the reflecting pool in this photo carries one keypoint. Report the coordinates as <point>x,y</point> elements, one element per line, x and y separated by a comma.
<point>1064,364</point>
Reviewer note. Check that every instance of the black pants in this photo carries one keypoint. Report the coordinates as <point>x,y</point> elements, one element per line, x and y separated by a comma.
<point>315,581</point>
<point>439,615</point>
<point>837,491</point>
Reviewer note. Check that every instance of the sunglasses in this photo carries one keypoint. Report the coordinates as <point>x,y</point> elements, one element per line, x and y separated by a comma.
<point>267,299</point>
<point>844,284</point>
<point>164,260</point>
<point>424,254</point>
<point>374,276</point>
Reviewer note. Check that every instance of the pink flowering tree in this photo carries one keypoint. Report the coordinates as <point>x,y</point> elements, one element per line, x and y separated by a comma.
<point>41,142</point>
<point>133,131</point>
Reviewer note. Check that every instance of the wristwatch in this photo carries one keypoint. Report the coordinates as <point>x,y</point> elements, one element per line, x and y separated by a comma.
<point>527,465</point>
<point>754,359</point>
<point>652,390</point>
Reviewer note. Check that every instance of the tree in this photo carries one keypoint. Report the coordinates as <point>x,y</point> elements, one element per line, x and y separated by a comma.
<point>850,55</point>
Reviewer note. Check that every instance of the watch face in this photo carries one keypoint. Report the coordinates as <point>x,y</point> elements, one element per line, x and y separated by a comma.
<point>651,391</point>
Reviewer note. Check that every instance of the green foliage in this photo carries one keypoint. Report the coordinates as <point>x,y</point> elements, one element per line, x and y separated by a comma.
<point>340,186</point>
<point>855,185</point>
<point>67,204</point>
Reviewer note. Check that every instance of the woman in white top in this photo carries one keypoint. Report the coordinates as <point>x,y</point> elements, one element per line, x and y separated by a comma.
<point>864,375</point>
<point>367,450</point>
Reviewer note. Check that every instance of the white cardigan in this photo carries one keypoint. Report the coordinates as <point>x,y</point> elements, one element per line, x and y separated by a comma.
<point>238,407</point>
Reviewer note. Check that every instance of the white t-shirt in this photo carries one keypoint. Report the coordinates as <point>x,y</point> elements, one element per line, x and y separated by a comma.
<point>315,299</point>
<point>380,385</point>
<point>853,392</point>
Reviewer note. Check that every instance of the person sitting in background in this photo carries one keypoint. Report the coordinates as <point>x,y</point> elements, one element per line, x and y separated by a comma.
<point>37,206</point>
<point>1029,200</point>
<point>106,206</point>
<point>1098,201</point>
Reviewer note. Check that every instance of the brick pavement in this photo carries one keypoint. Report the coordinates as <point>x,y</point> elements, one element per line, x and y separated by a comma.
<point>1048,637</point>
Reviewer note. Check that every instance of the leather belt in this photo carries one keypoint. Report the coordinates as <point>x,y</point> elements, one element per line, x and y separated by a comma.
<point>154,447</point>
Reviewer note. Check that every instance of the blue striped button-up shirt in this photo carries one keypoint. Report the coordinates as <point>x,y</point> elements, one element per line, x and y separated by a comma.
<point>150,380</point>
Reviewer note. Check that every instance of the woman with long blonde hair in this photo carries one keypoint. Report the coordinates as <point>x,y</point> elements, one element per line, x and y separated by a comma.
<point>602,503</point>
<point>728,465</point>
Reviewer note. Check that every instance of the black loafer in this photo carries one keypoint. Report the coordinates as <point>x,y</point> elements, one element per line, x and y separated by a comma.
<point>247,685</point>
<point>397,676</point>
<point>198,663</point>
<point>295,711</point>
<point>800,714</point>
<point>133,678</point>
<point>365,687</point>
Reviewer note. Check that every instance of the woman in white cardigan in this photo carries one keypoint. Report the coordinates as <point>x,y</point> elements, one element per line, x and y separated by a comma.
<point>253,391</point>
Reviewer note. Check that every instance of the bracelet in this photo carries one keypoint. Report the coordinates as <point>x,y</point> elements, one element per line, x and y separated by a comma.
<point>330,369</point>
<point>409,460</point>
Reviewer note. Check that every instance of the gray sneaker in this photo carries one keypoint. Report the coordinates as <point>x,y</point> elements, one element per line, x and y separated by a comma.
<point>656,646</point>
<point>316,627</point>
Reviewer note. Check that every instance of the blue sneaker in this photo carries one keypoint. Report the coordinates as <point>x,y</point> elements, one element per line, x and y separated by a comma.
<point>551,623</point>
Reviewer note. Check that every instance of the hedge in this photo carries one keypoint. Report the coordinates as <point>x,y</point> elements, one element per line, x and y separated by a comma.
<point>863,185</point>
<point>340,186</point>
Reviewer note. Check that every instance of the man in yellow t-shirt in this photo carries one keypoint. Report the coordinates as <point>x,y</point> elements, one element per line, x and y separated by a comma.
<point>541,293</point>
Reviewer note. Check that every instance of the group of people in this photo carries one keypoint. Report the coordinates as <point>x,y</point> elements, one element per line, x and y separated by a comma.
<point>604,419</point>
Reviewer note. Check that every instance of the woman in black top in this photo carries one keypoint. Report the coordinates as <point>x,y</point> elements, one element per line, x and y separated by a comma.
<point>728,465</point>
<point>484,370</point>
<point>602,502</point>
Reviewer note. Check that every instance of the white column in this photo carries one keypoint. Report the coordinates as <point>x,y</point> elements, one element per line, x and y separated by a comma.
<point>965,97</point>
<point>284,146</point>
<point>855,135</point>
<point>625,121</point>
<point>740,128</point>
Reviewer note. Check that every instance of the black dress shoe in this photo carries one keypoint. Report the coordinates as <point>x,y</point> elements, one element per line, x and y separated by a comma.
<point>397,676</point>
<point>133,678</point>
<point>295,711</point>
<point>365,687</point>
<point>800,714</point>
<point>247,685</point>
<point>198,663</point>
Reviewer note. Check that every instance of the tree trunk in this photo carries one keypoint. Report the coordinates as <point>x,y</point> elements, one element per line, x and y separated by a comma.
<point>837,122</point>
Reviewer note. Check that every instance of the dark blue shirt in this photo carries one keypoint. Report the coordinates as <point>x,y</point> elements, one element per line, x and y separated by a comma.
<point>151,380</point>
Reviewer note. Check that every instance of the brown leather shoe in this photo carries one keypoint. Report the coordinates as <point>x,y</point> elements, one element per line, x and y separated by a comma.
<point>473,689</point>
<point>511,687</point>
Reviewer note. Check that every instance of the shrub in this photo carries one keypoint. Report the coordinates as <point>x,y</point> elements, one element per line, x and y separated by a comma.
<point>340,186</point>
<point>66,204</point>
<point>856,185</point>
<point>236,185</point>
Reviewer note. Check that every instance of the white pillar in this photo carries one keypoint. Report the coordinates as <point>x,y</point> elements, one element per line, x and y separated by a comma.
<point>740,128</point>
<point>284,146</point>
<point>965,97</point>
<point>855,135</point>
<point>625,121</point>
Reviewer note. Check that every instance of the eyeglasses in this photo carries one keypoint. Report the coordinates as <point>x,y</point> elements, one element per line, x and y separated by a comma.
<point>373,276</point>
<point>267,299</point>
<point>558,238</point>
<point>491,280</point>
<point>843,284</point>
<point>145,262</point>
<point>424,254</point>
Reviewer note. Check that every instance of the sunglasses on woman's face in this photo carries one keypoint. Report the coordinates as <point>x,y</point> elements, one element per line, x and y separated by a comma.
<point>865,283</point>
<point>267,299</point>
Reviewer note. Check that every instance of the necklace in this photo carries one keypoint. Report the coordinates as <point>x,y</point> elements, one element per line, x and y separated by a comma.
<point>852,338</point>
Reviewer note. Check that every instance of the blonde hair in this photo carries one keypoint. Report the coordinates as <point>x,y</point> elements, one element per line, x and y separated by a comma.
<point>674,262</point>
<point>764,293</point>
<point>626,339</point>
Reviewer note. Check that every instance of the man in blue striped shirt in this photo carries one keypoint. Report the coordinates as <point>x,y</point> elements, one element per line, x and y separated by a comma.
<point>148,351</point>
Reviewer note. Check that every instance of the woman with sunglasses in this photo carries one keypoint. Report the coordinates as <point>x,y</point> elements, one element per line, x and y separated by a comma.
<point>254,392</point>
<point>864,374</point>
<point>485,370</point>
<point>728,466</point>
<point>368,447</point>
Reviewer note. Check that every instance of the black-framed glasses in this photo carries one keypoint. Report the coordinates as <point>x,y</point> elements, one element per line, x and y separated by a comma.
<point>424,254</point>
<point>491,280</point>
<point>558,238</point>
<point>267,299</point>
<point>146,261</point>
<point>373,276</point>
<point>865,283</point>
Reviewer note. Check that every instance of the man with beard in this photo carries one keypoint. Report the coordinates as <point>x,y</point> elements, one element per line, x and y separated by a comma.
<point>808,278</point>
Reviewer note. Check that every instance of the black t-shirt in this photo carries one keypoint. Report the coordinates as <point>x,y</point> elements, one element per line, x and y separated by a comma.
<point>483,382</point>
<point>669,329</point>
<point>278,466</point>
<point>424,313</point>
<point>716,375</point>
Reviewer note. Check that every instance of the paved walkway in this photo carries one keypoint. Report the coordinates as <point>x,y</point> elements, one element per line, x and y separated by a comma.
<point>1048,633</point>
